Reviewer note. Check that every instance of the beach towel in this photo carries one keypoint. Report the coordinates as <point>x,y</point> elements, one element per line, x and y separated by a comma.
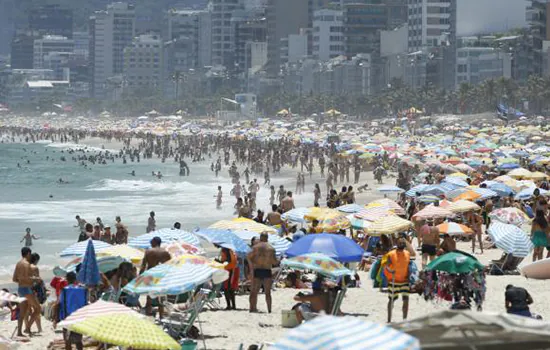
<point>71,299</point>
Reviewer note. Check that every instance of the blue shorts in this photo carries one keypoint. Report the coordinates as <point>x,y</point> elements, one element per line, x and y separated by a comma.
<point>24,291</point>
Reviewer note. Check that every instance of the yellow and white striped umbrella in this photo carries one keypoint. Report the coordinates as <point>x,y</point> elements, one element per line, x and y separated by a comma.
<point>462,206</point>
<point>124,251</point>
<point>243,224</point>
<point>389,225</point>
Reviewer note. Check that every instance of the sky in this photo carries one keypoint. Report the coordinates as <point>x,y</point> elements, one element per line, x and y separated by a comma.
<point>475,16</point>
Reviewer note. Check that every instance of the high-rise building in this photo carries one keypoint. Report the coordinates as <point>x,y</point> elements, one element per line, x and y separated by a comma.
<point>194,27</point>
<point>432,23</point>
<point>49,44</point>
<point>111,31</point>
<point>22,47</point>
<point>51,20</point>
<point>328,34</point>
<point>248,31</point>
<point>223,50</point>
<point>143,63</point>
<point>284,17</point>
<point>538,14</point>
<point>362,26</point>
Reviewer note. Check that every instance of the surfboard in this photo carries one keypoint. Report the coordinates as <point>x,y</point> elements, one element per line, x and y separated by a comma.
<point>539,270</point>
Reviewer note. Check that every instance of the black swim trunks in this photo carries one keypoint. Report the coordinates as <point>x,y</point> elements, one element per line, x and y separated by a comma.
<point>429,249</point>
<point>262,273</point>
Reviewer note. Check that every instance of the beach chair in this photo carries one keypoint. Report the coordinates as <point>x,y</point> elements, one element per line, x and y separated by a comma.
<point>179,322</point>
<point>213,297</point>
<point>506,265</point>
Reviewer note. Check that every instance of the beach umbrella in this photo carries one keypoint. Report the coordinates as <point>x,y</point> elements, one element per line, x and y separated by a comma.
<point>126,330</point>
<point>537,175</point>
<point>373,213</point>
<point>194,260</point>
<point>501,189</point>
<point>519,173</point>
<point>428,198</point>
<point>296,215</point>
<point>456,181</point>
<point>243,224</point>
<point>182,248</point>
<point>166,235</point>
<point>330,220</point>
<point>278,243</point>
<point>10,298</point>
<point>350,208</point>
<point>79,249</point>
<point>390,189</point>
<point>432,212</point>
<point>104,264</point>
<point>388,225</point>
<point>455,262</point>
<point>396,208</point>
<point>462,206</point>
<point>99,308</point>
<point>510,215</point>
<point>358,224</point>
<point>454,229</point>
<point>345,333</point>
<point>89,270</point>
<point>335,246</point>
<point>508,166</point>
<point>416,189</point>
<point>224,238</point>
<point>527,193</point>
<point>318,263</point>
<point>174,279</point>
<point>124,251</point>
<point>511,239</point>
<point>485,193</point>
<point>468,195</point>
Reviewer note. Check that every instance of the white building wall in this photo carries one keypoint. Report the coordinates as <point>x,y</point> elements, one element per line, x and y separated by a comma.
<point>328,35</point>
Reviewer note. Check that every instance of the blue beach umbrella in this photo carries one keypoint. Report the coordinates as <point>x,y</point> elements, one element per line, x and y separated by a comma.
<point>296,215</point>
<point>508,166</point>
<point>500,188</point>
<point>350,208</point>
<point>224,238</point>
<point>389,189</point>
<point>166,235</point>
<point>278,243</point>
<point>80,248</point>
<point>345,333</point>
<point>527,193</point>
<point>456,181</point>
<point>89,270</point>
<point>485,192</point>
<point>511,239</point>
<point>428,198</point>
<point>319,263</point>
<point>416,189</point>
<point>334,246</point>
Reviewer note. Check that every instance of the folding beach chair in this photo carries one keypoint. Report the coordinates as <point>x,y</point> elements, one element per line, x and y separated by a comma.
<point>213,297</point>
<point>506,265</point>
<point>179,322</point>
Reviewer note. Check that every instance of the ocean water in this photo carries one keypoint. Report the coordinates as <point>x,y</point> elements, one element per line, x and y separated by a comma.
<point>99,191</point>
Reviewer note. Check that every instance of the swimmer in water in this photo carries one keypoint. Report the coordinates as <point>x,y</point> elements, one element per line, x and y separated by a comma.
<point>28,237</point>
<point>133,173</point>
<point>159,175</point>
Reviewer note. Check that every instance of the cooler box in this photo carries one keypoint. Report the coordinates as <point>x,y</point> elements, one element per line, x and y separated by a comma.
<point>288,319</point>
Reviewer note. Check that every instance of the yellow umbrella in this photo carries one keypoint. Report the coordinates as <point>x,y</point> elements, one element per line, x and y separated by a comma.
<point>243,224</point>
<point>330,220</point>
<point>388,225</point>
<point>460,175</point>
<point>519,173</point>
<point>283,111</point>
<point>537,175</point>
<point>462,206</point>
<point>127,331</point>
<point>124,251</point>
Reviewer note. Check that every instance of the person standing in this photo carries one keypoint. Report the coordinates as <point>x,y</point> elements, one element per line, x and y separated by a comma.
<point>106,235</point>
<point>81,224</point>
<point>154,256</point>
<point>219,198</point>
<point>151,223</point>
<point>232,283</point>
<point>28,237</point>
<point>23,277</point>
<point>539,234</point>
<point>261,260</point>
<point>316,195</point>
<point>430,242</point>
<point>397,274</point>
<point>288,202</point>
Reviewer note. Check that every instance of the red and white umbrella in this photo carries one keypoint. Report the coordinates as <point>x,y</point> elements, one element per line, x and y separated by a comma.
<point>10,298</point>
<point>99,308</point>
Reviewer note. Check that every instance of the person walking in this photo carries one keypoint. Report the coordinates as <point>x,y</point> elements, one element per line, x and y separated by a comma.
<point>397,274</point>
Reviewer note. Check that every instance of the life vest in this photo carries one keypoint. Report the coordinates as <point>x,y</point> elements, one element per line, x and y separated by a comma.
<point>398,262</point>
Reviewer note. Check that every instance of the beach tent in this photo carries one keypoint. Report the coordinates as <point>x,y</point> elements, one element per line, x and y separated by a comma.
<point>477,330</point>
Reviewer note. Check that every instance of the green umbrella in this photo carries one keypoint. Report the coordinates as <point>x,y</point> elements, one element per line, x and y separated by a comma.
<point>455,262</point>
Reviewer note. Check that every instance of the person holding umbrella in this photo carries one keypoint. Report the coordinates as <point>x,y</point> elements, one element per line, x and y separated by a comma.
<point>397,274</point>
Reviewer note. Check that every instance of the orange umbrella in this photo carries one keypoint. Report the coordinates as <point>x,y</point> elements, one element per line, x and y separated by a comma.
<point>452,228</point>
<point>468,195</point>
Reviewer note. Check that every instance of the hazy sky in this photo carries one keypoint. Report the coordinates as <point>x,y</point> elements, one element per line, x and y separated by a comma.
<point>476,16</point>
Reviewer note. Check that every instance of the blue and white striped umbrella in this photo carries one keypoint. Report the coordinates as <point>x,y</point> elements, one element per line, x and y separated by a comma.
<point>511,239</point>
<point>416,189</point>
<point>278,243</point>
<point>485,192</point>
<point>166,235</point>
<point>527,193</point>
<point>500,188</point>
<point>296,215</point>
<point>170,279</point>
<point>350,208</point>
<point>456,181</point>
<point>224,238</point>
<point>345,333</point>
<point>79,249</point>
<point>390,189</point>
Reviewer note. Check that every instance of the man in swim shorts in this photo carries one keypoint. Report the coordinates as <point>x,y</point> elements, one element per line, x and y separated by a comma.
<point>261,260</point>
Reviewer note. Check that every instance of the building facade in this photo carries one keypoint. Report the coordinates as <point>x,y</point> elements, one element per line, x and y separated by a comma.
<point>111,31</point>
<point>51,20</point>
<point>50,44</point>
<point>222,32</point>
<point>143,64</point>
<point>328,34</point>
<point>538,15</point>
<point>195,28</point>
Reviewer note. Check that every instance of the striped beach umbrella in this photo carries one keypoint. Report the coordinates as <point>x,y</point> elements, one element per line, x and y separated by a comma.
<point>428,198</point>
<point>388,225</point>
<point>396,208</point>
<point>350,208</point>
<point>511,239</point>
<point>501,189</point>
<point>89,270</point>
<point>509,215</point>
<point>172,279</point>
<point>319,263</point>
<point>389,189</point>
<point>79,249</point>
<point>166,235</point>
<point>10,298</point>
<point>454,229</point>
<point>104,263</point>
<point>345,333</point>
<point>99,308</point>
<point>527,193</point>
<point>278,243</point>
<point>224,238</point>
<point>124,251</point>
<point>432,212</point>
<point>462,206</point>
<point>243,224</point>
<point>296,215</point>
<point>373,213</point>
<point>456,181</point>
<point>485,193</point>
